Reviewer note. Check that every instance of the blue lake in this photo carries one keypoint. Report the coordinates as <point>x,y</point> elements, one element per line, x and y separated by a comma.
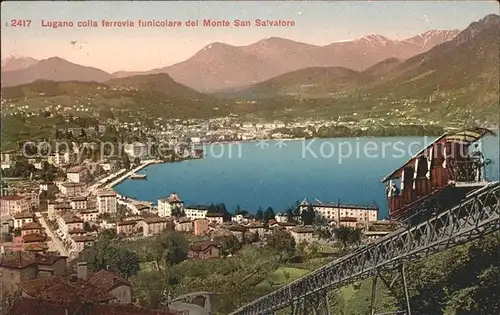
<point>277,174</point>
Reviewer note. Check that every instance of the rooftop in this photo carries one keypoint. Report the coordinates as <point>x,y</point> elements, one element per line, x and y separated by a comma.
<point>12,198</point>
<point>71,218</point>
<point>348,219</point>
<point>107,280</point>
<point>237,228</point>
<point>155,220</point>
<point>24,215</point>
<point>34,237</point>
<point>18,260</point>
<point>68,289</point>
<point>197,207</point>
<point>31,306</point>
<point>173,198</point>
<point>184,220</point>
<point>83,238</point>
<point>106,193</point>
<point>255,225</point>
<point>76,231</point>
<point>31,226</point>
<point>301,230</point>
<point>127,222</point>
<point>202,246</point>
<point>22,260</point>
<point>76,169</point>
<point>72,185</point>
<point>214,215</point>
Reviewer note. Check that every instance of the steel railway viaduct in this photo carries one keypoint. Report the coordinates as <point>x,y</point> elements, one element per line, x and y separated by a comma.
<point>436,230</point>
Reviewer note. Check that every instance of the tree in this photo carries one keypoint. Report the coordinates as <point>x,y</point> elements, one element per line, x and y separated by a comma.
<point>282,242</point>
<point>259,215</point>
<point>172,247</point>
<point>355,236</point>
<point>107,254</point>
<point>178,212</point>
<point>348,236</point>
<point>126,161</point>
<point>238,210</point>
<point>459,281</point>
<point>86,226</point>
<point>308,215</point>
<point>301,248</point>
<point>312,250</point>
<point>108,234</point>
<point>269,215</point>
<point>254,238</point>
<point>324,233</point>
<point>229,245</point>
<point>320,220</point>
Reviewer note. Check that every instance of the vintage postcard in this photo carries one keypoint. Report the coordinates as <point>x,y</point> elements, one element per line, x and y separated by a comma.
<point>249,157</point>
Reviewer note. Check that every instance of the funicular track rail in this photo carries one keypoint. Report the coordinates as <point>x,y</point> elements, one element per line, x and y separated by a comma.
<point>472,218</point>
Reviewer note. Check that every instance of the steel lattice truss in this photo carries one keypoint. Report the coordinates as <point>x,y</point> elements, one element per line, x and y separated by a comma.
<point>475,216</point>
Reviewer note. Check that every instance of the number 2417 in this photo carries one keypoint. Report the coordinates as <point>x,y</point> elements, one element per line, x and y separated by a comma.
<point>20,23</point>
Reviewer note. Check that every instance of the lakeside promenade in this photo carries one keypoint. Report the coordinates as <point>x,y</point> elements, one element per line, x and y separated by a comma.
<point>123,174</point>
<point>120,176</point>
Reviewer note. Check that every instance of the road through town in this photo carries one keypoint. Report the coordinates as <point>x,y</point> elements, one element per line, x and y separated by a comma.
<point>55,244</point>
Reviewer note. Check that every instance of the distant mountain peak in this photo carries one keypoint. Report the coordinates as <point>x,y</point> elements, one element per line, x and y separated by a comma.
<point>431,38</point>
<point>491,18</point>
<point>55,58</point>
<point>373,39</point>
<point>13,62</point>
<point>488,22</point>
<point>216,45</point>
<point>274,39</point>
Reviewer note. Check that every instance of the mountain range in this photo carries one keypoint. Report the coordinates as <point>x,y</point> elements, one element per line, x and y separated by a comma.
<point>220,66</point>
<point>455,79</point>
<point>469,61</point>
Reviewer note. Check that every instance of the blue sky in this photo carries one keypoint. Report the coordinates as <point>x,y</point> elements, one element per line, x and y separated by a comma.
<point>113,49</point>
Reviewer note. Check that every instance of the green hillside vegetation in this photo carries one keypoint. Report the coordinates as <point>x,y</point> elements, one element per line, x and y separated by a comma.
<point>160,98</point>
<point>459,281</point>
<point>160,82</point>
<point>309,82</point>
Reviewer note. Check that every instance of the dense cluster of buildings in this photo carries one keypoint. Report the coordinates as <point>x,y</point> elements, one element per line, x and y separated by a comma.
<point>46,283</point>
<point>45,224</point>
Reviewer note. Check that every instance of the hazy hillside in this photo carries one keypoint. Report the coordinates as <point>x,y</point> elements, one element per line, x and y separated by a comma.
<point>137,96</point>
<point>53,69</point>
<point>463,72</point>
<point>309,82</point>
<point>12,63</point>
<point>380,70</point>
<point>160,82</point>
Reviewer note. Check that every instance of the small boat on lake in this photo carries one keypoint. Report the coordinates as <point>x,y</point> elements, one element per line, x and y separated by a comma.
<point>138,176</point>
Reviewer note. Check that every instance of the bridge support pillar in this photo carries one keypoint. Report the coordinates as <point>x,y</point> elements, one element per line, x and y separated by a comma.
<point>390,285</point>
